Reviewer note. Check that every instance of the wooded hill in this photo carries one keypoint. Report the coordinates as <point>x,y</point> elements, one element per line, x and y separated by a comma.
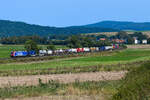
<point>11,28</point>
<point>119,25</point>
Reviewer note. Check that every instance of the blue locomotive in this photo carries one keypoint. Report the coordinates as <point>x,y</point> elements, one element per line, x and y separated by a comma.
<point>22,53</point>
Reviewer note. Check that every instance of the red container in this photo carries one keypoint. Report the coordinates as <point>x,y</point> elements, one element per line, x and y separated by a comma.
<point>80,49</point>
<point>114,46</point>
<point>117,46</point>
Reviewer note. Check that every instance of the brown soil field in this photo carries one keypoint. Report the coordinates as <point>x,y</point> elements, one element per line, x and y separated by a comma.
<point>138,46</point>
<point>62,78</point>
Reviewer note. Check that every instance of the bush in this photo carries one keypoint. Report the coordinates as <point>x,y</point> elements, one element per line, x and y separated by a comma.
<point>136,85</point>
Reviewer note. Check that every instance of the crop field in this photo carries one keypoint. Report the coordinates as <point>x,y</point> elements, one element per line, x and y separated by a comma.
<point>114,33</point>
<point>92,76</point>
<point>6,49</point>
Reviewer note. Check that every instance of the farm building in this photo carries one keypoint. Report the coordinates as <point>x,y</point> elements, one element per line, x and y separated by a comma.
<point>140,42</point>
<point>136,41</point>
<point>144,41</point>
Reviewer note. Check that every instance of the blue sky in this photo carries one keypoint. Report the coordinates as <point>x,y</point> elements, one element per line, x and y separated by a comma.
<point>74,12</point>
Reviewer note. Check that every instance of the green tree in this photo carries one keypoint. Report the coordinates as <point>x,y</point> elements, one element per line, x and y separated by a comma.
<point>139,35</point>
<point>103,43</point>
<point>148,40</point>
<point>31,45</point>
<point>125,36</point>
<point>122,35</point>
<point>74,42</point>
<point>51,47</point>
<point>130,40</point>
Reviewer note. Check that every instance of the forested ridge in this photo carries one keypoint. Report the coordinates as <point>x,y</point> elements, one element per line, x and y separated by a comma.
<point>122,25</point>
<point>11,28</point>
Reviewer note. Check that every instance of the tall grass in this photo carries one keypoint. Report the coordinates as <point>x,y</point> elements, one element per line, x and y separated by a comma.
<point>105,88</point>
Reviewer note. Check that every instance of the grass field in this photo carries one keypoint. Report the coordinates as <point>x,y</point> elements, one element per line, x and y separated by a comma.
<point>5,50</point>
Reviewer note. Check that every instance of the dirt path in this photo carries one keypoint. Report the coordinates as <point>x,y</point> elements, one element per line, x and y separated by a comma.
<point>70,97</point>
<point>63,78</point>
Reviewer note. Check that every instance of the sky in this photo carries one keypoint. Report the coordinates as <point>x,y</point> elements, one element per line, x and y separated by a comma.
<point>62,13</point>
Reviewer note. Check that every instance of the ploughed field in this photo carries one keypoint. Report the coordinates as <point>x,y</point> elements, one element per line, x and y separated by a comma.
<point>138,46</point>
<point>93,76</point>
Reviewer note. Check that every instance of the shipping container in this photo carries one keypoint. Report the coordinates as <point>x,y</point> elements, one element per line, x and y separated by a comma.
<point>86,49</point>
<point>92,49</point>
<point>49,52</point>
<point>80,49</point>
<point>32,53</point>
<point>108,47</point>
<point>102,48</point>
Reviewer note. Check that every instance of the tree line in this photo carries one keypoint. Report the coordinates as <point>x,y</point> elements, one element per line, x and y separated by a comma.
<point>73,41</point>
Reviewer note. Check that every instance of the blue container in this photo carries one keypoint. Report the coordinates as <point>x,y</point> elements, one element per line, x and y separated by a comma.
<point>31,53</point>
<point>102,48</point>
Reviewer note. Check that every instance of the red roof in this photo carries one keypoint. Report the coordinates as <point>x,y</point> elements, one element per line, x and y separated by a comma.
<point>118,40</point>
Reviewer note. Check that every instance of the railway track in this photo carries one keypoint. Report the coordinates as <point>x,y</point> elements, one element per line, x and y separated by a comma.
<point>39,58</point>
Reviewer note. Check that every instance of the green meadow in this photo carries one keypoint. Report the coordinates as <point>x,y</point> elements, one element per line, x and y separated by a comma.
<point>117,57</point>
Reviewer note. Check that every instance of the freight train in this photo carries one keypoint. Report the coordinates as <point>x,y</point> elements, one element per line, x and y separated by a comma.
<point>62,51</point>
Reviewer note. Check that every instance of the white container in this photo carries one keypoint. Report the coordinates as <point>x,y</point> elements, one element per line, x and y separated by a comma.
<point>72,50</point>
<point>108,47</point>
<point>86,49</point>
<point>97,49</point>
<point>42,51</point>
<point>49,52</point>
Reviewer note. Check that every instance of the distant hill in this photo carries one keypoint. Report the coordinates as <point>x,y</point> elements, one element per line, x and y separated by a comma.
<point>122,25</point>
<point>11,28</point>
